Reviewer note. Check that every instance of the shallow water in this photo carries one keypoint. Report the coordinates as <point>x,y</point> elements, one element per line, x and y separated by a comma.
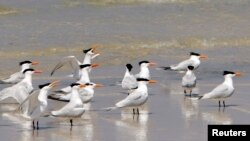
<point>130,31</point>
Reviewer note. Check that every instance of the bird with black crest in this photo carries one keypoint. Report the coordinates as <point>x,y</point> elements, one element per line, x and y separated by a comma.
<point>74,63</point>
<point>18,76</point>
<point>194,60</point>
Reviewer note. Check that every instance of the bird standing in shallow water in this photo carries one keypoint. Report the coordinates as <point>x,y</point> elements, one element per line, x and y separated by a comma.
<point>38,102</point>
<point>224,90</point>
<point>21,90</point>
<point>189,80</point>
<point>73,109</point>
<point>136,98</point>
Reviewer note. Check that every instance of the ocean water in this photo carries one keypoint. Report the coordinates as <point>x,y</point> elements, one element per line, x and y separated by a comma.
<point>64,25</point>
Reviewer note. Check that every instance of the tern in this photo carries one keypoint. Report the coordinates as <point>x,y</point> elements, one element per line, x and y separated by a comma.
<point>136,98</point>
<point>21,90</point>
<point>85,70</point>
<point>144,70</point>
<point>86,93</point>
<point>194,61</point>
<point>18,76</point>
<point>73,109</point>
<point>129,81</point>
<point>38,103</point>
<point>189,80</point>
<point>75,63</point>
<point>224,90</point>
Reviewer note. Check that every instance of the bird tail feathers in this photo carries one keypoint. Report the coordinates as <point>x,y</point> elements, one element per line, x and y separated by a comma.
<point>163,68</point>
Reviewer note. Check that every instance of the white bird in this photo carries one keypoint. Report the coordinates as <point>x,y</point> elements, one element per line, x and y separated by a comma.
<point>18,76</point>
<point>144,70</point>
<point>86,93</point>
<point>21,90</point>
<point>189,80</point>
<point>224,90</point>
<point>73,109</point>
<point>129,81</point>
<point>85,70</point>
<point>194,61</point>
<point>136,98</point>
<point>75,63</point>
<point>38,103</point>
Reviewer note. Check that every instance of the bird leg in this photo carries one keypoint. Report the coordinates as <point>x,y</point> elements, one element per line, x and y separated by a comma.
<point>185,92</point>
<point>138,111</point>
<point>37,127</point>
<point>224,103</point>
<point>190,92</point>
<point>71,122</point>
<point>33,123</point>
<point>133,111</point>
<point>219,103</point>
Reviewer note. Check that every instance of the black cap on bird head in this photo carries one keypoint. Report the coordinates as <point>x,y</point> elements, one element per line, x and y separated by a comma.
<point>190,67</point>
<point>25,62</point>
<point>195,54</point>
<point>143,62</point>
<point>30,69</point>
<point>142,79</point>
<point>84,66</point>
<point>43,85</point>
<point>74,84</point>
<point>87,50</point>
<point>227,72</point>
<point>129,67</point>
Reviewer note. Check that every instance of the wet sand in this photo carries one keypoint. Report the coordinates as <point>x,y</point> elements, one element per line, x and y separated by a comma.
<point>46,31</point>
<point>168,114</point>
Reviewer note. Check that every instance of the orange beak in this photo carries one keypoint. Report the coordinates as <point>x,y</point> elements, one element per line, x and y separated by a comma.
<point>202,56</point>
<point>238,74</point>
<point>98,85</point>
<point>152,64</point>
<point>82,85</point>
<point>34,62</point>
<point>152,81</point>
<point>95,65</point>
<point>37,71</point>
<point>94,47</point>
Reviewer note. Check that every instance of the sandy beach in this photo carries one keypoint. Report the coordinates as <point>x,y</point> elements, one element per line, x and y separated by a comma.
<point>128,32</point>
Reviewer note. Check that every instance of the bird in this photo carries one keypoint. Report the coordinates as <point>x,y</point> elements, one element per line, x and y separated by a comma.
<point>90,54</point>
<point>38,103</point>
<point>144,70</point>
<point>194,60</point>
<point>18,76</point>
<point>224,90</point>
<point>86,93</point>
<point>21,90</point>
<point>189,80</point>
<point>129,81</point>
<point>136,98</point>
<point>74,108</point>
<point>85,70</point>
